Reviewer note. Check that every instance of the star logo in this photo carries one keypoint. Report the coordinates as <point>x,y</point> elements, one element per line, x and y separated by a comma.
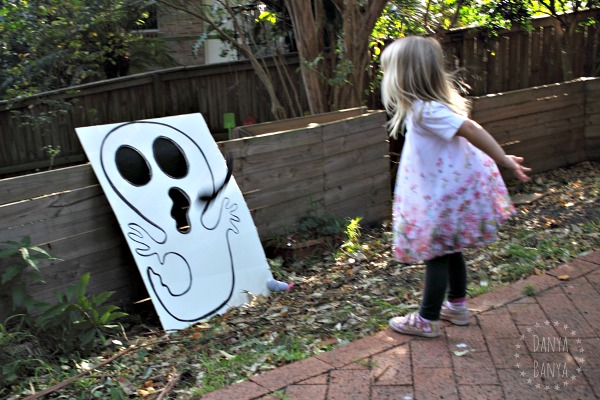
<point>543,369</point>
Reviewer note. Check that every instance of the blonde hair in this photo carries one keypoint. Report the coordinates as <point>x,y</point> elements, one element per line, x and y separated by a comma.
<point>413,69</point>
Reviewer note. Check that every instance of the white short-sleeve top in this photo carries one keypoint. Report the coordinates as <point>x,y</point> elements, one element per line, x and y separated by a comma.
<point>449,195</point>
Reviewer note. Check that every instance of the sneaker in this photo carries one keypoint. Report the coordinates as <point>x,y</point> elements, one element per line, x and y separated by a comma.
<point>458,315</point>
<point>413,324</point>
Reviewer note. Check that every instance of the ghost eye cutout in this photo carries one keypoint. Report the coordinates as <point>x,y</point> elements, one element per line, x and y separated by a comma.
<point>132,166</point>
<point>170,158</point>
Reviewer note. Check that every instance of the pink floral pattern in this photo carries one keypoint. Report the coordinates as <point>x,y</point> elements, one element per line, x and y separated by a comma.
<point>449,195</point>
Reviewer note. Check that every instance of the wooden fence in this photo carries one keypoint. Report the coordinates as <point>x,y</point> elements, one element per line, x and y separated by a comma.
<point>339,163</point>
<point>50,119</point>
<point>522,58</point>
<point>551,126</point>
<point>517,59</point>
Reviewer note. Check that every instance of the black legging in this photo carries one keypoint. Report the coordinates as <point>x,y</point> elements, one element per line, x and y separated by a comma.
<point>443,273</point>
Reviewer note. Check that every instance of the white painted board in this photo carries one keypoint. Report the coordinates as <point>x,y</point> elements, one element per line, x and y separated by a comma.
<point>191,234</point>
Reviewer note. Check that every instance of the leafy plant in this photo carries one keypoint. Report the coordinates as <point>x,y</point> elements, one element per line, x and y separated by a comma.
<point>22,266</point>
<point>52,152</point>
<point>528,290</point>
<point>75,322</point>
<point>352,243</point>
<point>79,320</point>
<point>19,354</point>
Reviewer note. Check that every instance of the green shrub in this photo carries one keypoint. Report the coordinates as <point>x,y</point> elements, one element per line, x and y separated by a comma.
<point>75,322</point>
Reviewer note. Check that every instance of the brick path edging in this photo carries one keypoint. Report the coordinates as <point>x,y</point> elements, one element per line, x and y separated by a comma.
<point>310,372</point>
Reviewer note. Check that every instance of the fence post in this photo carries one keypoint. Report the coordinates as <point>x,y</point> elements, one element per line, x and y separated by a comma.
<point>158,103</point>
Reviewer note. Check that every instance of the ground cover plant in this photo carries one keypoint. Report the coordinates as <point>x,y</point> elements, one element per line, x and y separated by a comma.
<point>348,292</point>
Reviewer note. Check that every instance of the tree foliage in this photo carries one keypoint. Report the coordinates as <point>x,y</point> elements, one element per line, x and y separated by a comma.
<point>51,44</point>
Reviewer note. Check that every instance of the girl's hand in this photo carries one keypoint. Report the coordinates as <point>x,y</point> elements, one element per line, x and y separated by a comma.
<point>514,163</point>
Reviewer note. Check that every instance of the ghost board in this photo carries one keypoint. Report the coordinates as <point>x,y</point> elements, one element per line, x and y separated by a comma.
<point>182,214</point>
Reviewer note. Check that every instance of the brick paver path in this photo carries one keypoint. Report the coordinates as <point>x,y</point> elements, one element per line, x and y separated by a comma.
<point>545,346</point>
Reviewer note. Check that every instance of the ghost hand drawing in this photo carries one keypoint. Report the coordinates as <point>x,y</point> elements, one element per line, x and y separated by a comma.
<point>181,206</point>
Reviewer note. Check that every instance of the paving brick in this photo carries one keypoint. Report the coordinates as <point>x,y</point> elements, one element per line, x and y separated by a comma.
<point>526,313</point>
<point>239,391</point>
<point>470,335</point>
<point>574,268</point>
<point>430,353</point>
<point>593,378</point>
<point>581,392</point>
<point>362,348</point>
<point>494,299</point>
<point>487,392</point>
<point>434,383</point>
<point>559,308</point>
<point>317,380</point>
<point>360,364</point>
<point>392,367</point>
<point>558,289</point>
<point>581,292</point>
<point>349,385</point>
<point>594,280</point>
<point>527,299</point>
<point>593,257</point>
<point>291,373</point>
<point>589,350</point>
<point>503,353</point>
<point>498,326</point>
<point>515,387</point>
<point>539,283</point>
<point>392,393</point>
<point>476,368</point>
<point>306,392</point>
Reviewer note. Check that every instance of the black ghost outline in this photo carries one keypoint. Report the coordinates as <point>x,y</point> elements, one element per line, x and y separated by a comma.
<point>137,236</point>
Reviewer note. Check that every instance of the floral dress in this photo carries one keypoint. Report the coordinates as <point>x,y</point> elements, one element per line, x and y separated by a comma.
<point>449,195</point>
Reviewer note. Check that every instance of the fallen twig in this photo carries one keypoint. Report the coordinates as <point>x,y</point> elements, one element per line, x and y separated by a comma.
<point>170,385</point>
<point>75,378</point>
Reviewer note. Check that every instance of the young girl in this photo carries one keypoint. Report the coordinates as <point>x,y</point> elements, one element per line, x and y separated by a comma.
<point>449,193</point>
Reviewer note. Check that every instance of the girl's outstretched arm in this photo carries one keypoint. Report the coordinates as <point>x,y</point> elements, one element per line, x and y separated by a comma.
<point>482,139</point>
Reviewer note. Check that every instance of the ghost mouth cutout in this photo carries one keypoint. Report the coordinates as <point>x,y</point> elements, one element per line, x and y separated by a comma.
<point>180,209</point>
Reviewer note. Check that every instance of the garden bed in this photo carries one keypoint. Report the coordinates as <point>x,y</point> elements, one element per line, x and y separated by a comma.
<point>335,300</point>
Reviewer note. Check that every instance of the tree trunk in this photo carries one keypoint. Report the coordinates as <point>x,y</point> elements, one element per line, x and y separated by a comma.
<point>565,38</point>
<point>358,22</point>
<point>308,20</point>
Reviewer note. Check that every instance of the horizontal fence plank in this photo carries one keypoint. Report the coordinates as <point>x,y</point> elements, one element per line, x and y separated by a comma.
<point>306,154</point>
<point>58,216</point>
<point>292,124</point>
<point>369,187</point>
<point>120,278</point>
<point>284,193</point>
<point>369,206</point>
<point>35,185</point>
<point>282,175</point>
<point>348,159</point>
<point>368,168</point>
<point>532,122</point>
<point>274,143</point>
<point>370,137</point>
<point>520,108</point>
<point>592,148</point>
<point>272,218</point>
<point>545,130</point>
